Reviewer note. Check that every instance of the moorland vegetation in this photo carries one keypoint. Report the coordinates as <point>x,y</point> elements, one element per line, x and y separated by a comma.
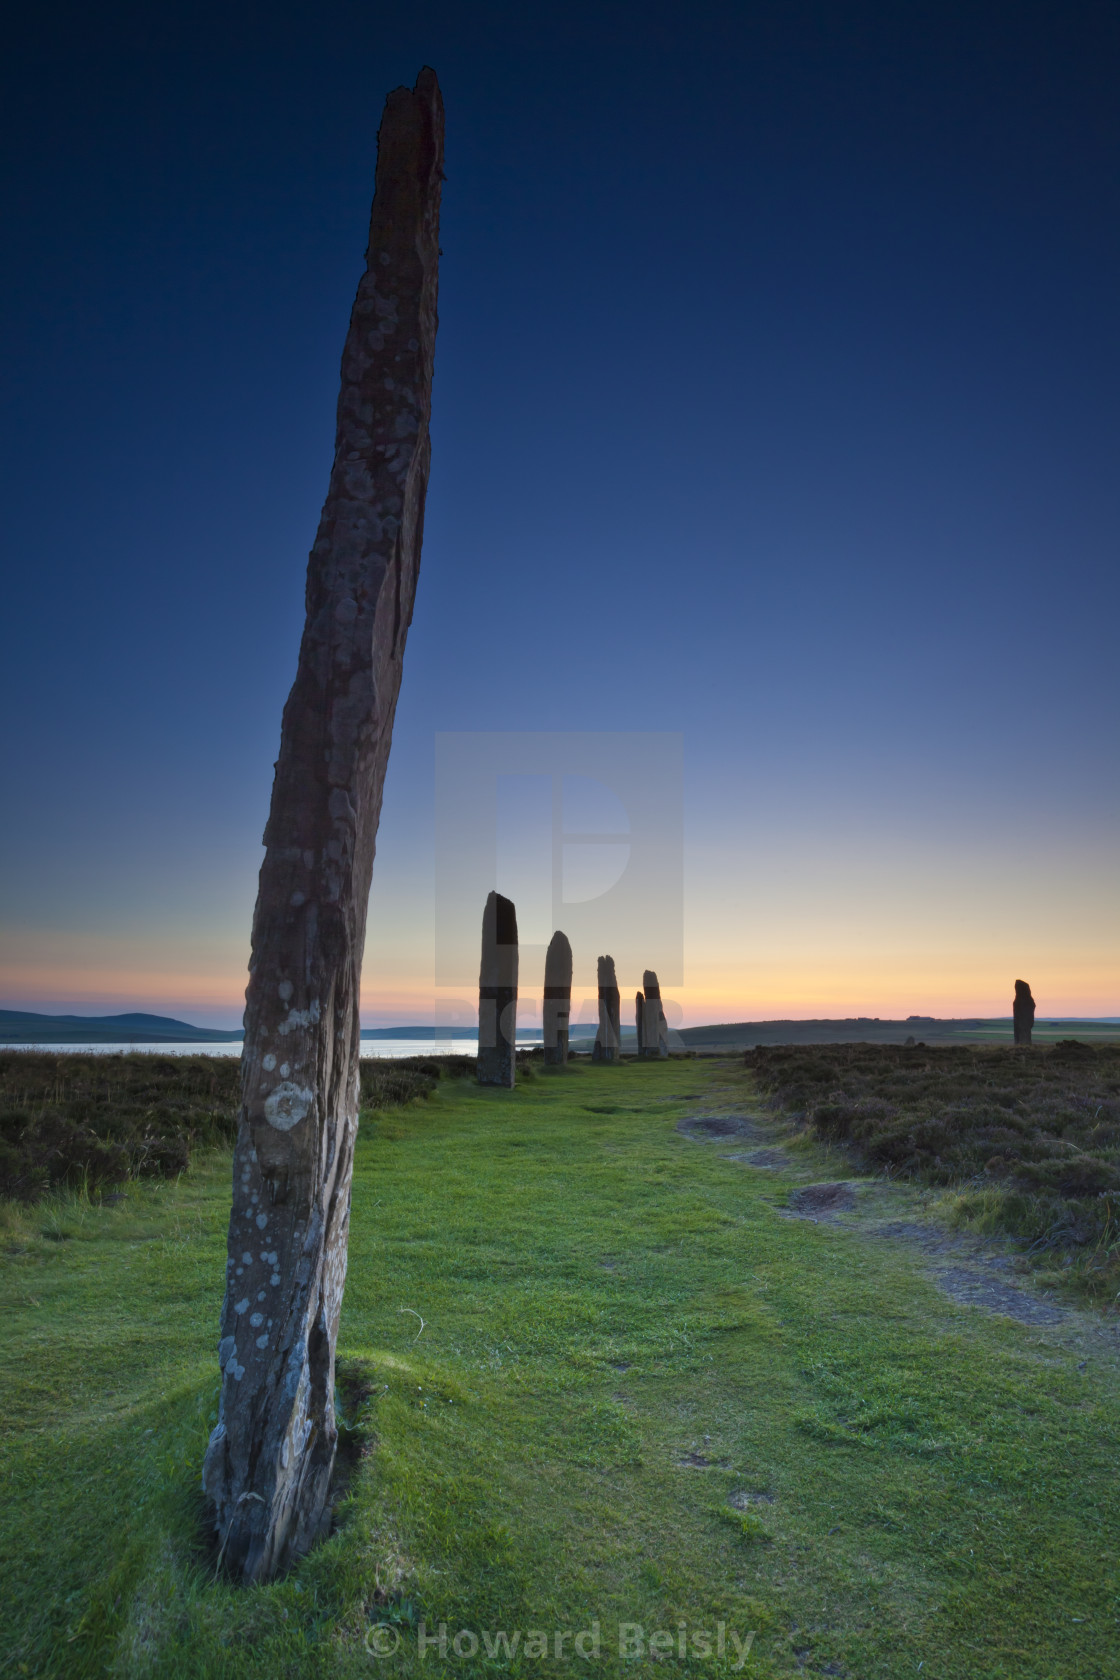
<point>92,1122</point>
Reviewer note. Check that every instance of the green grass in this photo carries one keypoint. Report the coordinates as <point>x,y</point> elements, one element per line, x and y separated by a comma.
<point>892,1480</point>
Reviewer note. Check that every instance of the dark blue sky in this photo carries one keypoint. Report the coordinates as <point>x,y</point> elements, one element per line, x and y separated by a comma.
<point>776,402</point>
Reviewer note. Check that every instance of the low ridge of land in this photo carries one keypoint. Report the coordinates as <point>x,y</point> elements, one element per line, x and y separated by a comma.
<point>23,1026</point>
<point>865,1029</point>
<point>20,1026</point>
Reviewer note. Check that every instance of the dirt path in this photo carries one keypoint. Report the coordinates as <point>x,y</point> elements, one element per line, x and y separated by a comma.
<point>990,1274</point>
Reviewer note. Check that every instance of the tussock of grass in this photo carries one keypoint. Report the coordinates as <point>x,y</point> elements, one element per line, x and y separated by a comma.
<point>385,1084</point>
<point>1030,1139</point>
<point>625,1341</point>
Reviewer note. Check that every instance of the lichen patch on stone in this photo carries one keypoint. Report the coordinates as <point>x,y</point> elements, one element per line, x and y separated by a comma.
<point>287,1105</point>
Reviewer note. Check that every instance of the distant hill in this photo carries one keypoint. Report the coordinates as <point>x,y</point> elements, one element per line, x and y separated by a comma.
<point>20,1026</point>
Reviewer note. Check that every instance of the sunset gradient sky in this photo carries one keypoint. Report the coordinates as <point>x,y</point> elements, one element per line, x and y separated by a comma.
<point>777,400</point>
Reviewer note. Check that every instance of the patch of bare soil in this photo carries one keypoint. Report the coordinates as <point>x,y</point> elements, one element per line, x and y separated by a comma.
<point>984,1281</point>
<point>705,1128</point>
<point>980,1289</point>
<point>821,1201</point>
<point>774,1159</point>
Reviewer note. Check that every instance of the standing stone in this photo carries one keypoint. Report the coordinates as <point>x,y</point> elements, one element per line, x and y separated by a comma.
<point>268,1464</point>
<point>1022,1012</point>
<point>654,1036</point>
<point>557,999</point>
<point>608,1040</point>
<point>497,994</point>
<point>639,1020</point>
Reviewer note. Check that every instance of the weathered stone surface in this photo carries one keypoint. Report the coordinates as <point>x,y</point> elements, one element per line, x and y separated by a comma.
<point>497,994</point>
<point>268,1464</point>
<point>639,1019</point>
<point>1022,1012</point>
<point>653,1039</point>
<point>557,999</point>
<point>608,1039</point>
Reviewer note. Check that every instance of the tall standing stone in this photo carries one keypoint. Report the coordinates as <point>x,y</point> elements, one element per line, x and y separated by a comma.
<point>1022,1012</point>
<point>269,1460</point>
<point>557,999</point>
<point>497,994</point>
<point>639,1020</point>
<point>653,1038</point>
<point>608,1039</point>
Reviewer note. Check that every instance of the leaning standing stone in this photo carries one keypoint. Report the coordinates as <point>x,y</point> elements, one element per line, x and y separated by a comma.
<point>1022,1012</point>
<point>608,1040</point>
<point>497,994</point>
<point>557,999</point>
<point>269,1460</point>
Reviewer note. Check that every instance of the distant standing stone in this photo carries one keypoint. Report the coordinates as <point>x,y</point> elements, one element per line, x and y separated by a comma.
<point>608,1040</point>
<point>497,994</point>
<point>1022,1011</point>
<point>557,999</point>
<point>653,1033</point>
<point>639,1020</point>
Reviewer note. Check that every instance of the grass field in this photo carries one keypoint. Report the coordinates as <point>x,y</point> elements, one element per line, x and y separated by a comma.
<point>643,1394</point>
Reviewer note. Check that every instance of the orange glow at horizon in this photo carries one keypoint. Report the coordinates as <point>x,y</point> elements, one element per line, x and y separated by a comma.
<point>769,936</point>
